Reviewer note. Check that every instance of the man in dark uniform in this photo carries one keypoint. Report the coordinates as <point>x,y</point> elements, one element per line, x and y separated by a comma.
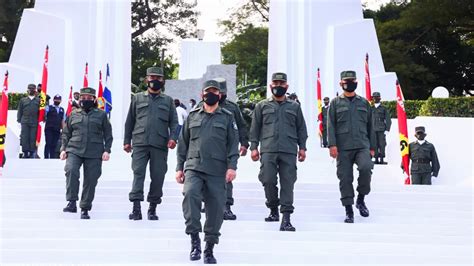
<point>27,116</point>
<point>278,124</point>
<point>207,159</point>
<point>351,141</point>
<point>75,100</point>
<point>55,117</point>
<point>382,123</point>
<point>150,127</point>
<point>243,139</point>
<point>86,141</point>
<point>324,114</point>
<point>424,160</point>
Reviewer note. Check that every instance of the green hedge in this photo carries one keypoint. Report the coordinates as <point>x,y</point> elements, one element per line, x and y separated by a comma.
<point>14,99</point>
<point>449,107</point>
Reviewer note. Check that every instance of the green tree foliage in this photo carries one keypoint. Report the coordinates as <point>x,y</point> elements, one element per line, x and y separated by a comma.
<point>155,24</point>
<point>248,50</point>
<point>448,107</point>
<point>10,15</point>
<point>428,43</point>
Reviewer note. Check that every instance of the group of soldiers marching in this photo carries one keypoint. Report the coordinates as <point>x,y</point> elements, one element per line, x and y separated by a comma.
<point>208,150</point>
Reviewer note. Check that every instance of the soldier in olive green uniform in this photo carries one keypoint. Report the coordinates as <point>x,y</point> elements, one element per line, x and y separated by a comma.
<point>150,128</point>
<point>382,123</point>
<point>86,141</point>
<point>324,114</point>
<point>207,153</point>
<point>424,160</point>
<point>27,116</point>
<point>243,139</point>
<point>351,140</point>
<point>278,124</point>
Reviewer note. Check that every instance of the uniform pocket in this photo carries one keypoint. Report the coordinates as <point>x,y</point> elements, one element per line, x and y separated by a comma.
<point>219,130</point>
<point>195,129</point>
<point>142,109</point>
<point>362,114</point>
<point>290,117</point>
<point>163,113</point>
<point>268,115</point>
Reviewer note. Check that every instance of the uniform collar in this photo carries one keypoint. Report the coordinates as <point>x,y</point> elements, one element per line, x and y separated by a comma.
<point>158,95</point>
<point>344,96</point>
<point>201,109</point>
<point>273,100</point>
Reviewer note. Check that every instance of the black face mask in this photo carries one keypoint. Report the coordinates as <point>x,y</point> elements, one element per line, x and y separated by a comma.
<point>87,105</point>
<point>57,103</point>
<point>326,103</point>
<point>222,99</point>
<point>210,98</point>
<point>155,85</point>
<point>31,93</point>
<point>279,91</point>
<point>349,86</point>
<point>420,136</point>
<point>376,100</point>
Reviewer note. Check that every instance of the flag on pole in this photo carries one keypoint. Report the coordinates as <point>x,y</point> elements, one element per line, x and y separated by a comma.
<point>44,88</point>
<point>3,119</point>
<point>320,105</point>
<point>100,93</point>
<point>69,103</point>
<point>368,89</point>
<point>86,76</point>
<point>107,92</point>
<point>403,132</point>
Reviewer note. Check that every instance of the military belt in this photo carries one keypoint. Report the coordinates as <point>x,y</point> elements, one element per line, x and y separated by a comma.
<point>421,161</point>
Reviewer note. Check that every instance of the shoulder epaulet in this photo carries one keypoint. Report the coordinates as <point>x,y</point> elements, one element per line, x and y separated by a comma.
<point>226,111</point>
<point>231,103</point>
<point>195,109</point>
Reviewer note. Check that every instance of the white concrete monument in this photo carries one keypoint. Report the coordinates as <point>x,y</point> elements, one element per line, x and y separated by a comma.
<point>440,92</point>
<point>196,56</point>
<point>93,31</point>
<point>331,35</point>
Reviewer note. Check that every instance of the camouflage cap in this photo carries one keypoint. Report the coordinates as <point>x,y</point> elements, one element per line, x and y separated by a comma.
<point>156,71</point>
<point>420,129</point>
<point>210,84</point>
<point>31,86</point>
<point>376,94</point>
<point>88,91</point>
<point>348,74</point>
<point>279,76</point>
<point>222,84</point>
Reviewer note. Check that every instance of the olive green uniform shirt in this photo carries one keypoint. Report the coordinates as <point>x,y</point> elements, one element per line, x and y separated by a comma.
<point>87,134</point>
<point>279,127</point>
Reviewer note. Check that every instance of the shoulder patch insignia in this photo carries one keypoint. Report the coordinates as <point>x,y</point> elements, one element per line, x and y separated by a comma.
<point>234,125</point>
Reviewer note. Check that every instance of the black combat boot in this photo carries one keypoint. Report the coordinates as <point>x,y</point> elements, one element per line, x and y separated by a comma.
<point>360,204</point>
<point>195,247</point>
<point>228,214</point>
<point>376,160</point>
<point>208,254</point>
<point>286,224</point>
<point>152,212</point>
<point>274,216</point>
<point>349,215</point>
<point>136,211</point>
<point>70,207</point>
<point>382,162</point>
<point>85,214</point>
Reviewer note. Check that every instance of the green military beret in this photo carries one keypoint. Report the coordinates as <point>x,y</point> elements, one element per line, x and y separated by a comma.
<point>222,84</point>
<point>156,71</point>
<point>210,84</point>
<point>32,86</point>
<point>279,76</point>
<point>348,74</point>
<point>88,91</point>
<point>420,129</point>
<point>376,94</point>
